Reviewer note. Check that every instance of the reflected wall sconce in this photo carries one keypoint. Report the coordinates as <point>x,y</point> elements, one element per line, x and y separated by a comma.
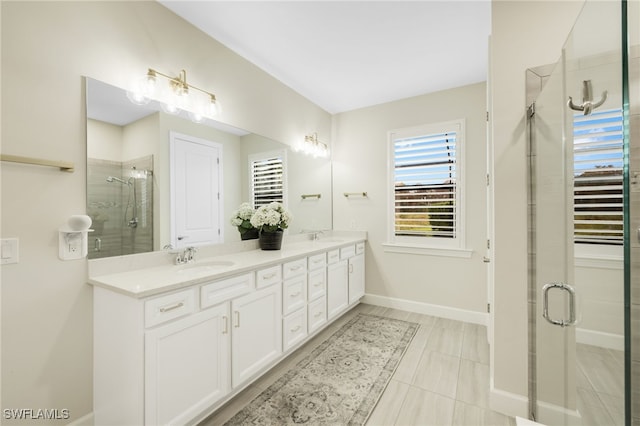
<point>312,146</point>
<point>177,95</point>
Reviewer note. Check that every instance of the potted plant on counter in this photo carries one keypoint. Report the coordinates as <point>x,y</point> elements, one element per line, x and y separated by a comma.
<point>271,220</point>
<point>242,220</point>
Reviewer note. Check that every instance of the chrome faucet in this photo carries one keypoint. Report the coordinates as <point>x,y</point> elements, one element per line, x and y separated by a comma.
<point>187,256</point>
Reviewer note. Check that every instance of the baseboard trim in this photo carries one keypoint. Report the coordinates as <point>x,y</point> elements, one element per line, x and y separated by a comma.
<point>86,420</point>
<point>600,338</point>
<point>427,309</point>
<point>552,414</point>
<point>508,403</point>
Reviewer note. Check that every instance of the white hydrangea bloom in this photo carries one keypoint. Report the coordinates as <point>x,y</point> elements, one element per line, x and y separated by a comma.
<point>271,217</point>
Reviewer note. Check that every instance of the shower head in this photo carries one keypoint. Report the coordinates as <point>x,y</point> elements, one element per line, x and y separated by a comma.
<point>113,178</point>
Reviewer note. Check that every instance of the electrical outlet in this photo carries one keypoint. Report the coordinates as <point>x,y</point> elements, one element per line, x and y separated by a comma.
<point>72,245</point>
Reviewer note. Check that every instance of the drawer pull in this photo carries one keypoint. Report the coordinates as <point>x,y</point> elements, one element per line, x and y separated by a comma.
<point>318,260</point>
<point>317,314</point>
<point>296,294</point>
<point>271,275</point>
<point>225,325</point>
<point>237,319</point>
<point>318,284</point>
<point>171,308</point>
<point>296,328</point>
<point>295,268</point>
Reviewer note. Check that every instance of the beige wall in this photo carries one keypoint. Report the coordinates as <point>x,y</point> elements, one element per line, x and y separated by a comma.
<point>360,164</point>
<point>525,34</point>
<point>46,49</point>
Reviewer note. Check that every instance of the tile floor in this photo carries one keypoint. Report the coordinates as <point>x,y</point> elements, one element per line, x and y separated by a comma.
<point>443,378</point>
<point>600,383</point>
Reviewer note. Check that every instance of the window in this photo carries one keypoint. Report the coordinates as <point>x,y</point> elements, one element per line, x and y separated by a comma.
<point>427,185</point>
<point>267,176</point>
<point>598,157</point>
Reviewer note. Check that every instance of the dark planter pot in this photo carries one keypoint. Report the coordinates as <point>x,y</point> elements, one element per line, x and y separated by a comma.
<point>250,234</point>
<point>271,240</point>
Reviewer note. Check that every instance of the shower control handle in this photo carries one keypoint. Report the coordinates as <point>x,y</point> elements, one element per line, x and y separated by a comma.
<point>572,304</point>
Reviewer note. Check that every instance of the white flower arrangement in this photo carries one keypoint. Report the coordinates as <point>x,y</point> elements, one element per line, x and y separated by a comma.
<point>271,217</point>
<point>242,217</point>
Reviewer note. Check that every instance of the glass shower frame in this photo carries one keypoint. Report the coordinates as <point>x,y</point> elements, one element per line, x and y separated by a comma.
<point>595,50</point>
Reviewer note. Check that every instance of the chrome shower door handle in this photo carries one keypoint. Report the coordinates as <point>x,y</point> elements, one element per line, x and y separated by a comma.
<point>572,304</point>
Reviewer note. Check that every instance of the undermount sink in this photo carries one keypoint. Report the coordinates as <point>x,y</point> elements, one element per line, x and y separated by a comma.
<point>206,265</point>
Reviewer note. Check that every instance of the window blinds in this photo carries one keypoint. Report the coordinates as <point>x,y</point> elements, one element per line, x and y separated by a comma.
<point>598,160</point>
<point>267,181</point>
<point>425,185</point>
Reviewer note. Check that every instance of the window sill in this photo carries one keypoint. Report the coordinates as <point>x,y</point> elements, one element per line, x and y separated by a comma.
<point>427,251</point>
<point>599,262</point>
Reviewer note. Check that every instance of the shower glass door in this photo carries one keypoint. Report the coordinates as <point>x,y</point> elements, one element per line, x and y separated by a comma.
<point>577,199</point>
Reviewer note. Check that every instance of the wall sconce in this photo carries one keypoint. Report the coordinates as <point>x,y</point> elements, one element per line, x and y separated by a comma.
<point>312,146</point>
<point>175,96</point>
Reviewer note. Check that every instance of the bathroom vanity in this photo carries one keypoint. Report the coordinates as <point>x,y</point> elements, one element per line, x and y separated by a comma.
<point>174,342</point>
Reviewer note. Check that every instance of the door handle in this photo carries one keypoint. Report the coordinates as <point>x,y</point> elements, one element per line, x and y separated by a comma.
<point>182,237</point>
<point>572,304</point>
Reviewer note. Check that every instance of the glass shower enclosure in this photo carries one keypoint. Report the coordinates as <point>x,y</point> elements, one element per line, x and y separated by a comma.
<point>580,215</point>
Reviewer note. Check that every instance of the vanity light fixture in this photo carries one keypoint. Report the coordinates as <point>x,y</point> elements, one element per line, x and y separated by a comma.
<point>176,96</point>
<point>312,146</point>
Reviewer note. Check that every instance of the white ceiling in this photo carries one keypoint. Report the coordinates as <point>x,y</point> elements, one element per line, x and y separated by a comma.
<point>344,55</point>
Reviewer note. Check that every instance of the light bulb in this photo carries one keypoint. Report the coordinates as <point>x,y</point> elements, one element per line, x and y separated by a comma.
<point>213,107</point>
<point>170,108</point>
<point>196,117</point>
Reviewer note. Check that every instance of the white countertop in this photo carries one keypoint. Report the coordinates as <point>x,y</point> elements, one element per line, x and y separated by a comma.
<point>151,280</point>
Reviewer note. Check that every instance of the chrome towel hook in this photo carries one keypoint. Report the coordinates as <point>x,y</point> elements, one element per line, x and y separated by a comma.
<point>587,99</point>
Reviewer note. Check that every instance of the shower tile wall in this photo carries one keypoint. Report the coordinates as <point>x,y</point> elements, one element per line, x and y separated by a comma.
<point>107,207</point>
<point>140,238</point>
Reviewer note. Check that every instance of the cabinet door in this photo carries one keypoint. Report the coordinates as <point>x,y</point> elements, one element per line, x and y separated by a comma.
<point>356,278</point>
<point>186,366</point>
<point>337,288</point>
<point>256,332</point>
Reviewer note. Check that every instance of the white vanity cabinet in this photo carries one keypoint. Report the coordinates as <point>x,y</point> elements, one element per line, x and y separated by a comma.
<point>294,302</point>
<point>173,356</point>
<point>186,366</point>
<point>356,274</point>
<point>337,284</point>
<point>256,332</point>
<point>317,292</point>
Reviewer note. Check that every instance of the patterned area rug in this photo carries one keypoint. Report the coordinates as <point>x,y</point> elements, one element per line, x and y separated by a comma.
<point>340,382</point>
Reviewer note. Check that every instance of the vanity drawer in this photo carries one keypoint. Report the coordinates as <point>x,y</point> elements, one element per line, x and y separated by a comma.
<point>360,248</point>
<point>293,268</point>
<point>317,314</point>
<point>171,306</point>
<point>221,291</point>
<point>347,252</point>
<point>317,261</point>
<point>294,328</point>
<point>294,294</point>
<point>317,284</point>
<point>266,277</point>
<point>333,256</point>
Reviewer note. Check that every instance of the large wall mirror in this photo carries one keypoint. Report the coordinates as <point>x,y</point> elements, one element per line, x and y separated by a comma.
<point>132,194</point>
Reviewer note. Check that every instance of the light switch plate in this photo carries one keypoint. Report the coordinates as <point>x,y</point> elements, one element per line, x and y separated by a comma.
<point>8,251</point>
